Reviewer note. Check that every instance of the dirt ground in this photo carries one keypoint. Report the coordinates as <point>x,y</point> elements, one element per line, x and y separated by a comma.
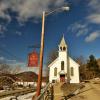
<point>90,92</point>
<point>63,89</point>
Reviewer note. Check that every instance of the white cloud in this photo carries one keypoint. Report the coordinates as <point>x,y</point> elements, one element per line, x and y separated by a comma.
<point>92,36</point>
<point>94,18</point>
<point>3,12</point>
<point>94,8</point>
<point>27,8</point>
<point>94,5</point>
<point>78,28</point>
<point>83,31</point>
<point>84,26</point>
<point>58,2</point>
<point>18,33</point>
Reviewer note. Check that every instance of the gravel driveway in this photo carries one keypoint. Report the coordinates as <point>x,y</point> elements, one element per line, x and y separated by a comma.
<point>90,92</point>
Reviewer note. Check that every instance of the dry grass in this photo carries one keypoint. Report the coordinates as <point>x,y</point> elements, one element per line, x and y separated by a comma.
<point>69,88</point>
<point>64,89</point>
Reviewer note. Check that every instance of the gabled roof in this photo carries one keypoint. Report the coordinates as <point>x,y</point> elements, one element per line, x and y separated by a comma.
<point>53,62</point>
<point>74,61</point>
<point>69,59</point>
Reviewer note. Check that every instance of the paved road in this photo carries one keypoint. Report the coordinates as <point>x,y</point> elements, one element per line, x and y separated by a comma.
<point>90,92</point>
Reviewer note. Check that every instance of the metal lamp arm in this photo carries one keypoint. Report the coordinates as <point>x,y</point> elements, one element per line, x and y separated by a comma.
<point>48,13</point>
<point>55,10</point>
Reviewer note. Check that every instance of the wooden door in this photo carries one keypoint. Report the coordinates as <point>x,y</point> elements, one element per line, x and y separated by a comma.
<point>62,78</point>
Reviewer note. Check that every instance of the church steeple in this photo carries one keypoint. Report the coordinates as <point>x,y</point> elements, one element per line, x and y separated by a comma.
<point>62,45</point>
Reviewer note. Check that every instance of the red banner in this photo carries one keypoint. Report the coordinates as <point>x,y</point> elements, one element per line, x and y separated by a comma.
<point>33,59</point>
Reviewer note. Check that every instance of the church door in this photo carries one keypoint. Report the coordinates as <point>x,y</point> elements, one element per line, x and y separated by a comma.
<point>62,78</point>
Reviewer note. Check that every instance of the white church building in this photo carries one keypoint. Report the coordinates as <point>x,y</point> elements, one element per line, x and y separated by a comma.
<point>63,68</point>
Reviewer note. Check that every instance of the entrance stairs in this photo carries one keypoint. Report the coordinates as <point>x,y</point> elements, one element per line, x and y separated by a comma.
<point>58,93</point>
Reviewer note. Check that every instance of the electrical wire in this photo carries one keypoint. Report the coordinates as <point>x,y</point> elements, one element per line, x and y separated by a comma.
<point>10,54</point>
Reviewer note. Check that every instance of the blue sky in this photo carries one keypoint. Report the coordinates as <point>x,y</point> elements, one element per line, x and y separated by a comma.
<point>20,27</point>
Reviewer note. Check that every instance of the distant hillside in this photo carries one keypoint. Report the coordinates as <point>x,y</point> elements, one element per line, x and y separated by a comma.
<point>27,76</point>
<point>8,75</point>
<point>24,76</point>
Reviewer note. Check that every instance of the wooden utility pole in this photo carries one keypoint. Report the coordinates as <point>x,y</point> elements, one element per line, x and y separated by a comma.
<point>41,57</point>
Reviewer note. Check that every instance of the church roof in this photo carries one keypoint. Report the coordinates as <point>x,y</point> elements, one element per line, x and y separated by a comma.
<point>63,43</point>
<point>74,61</point>
<point>53,62</point>
<point>69,59</point>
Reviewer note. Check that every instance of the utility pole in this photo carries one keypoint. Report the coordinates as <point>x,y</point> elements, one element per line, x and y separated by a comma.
<point>41,57</point>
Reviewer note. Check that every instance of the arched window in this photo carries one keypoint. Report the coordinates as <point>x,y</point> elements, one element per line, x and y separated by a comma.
<point>55,71</point>
<point>62,65</point>
<point>72,71</point>
<point>64,48</point>
<point>61,48</point>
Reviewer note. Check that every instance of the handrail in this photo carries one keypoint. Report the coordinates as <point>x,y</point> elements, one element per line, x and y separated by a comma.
<point>41,96</point>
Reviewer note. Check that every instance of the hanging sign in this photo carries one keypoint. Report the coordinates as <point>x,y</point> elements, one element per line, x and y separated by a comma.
<point>33,59</point>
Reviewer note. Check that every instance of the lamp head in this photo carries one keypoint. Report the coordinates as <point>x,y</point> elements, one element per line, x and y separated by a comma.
<point>66,8</point>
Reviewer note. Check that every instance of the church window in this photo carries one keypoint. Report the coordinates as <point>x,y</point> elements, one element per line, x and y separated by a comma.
<point>61,48</point>
<point>62,65</point>
<point>72,71</point>
<point>55,71</point>
<point>64,48</point>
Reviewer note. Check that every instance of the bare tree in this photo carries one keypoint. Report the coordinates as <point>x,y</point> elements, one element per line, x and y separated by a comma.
<point>51,56</point>
<point>4,68</point>
<point>16,70</point>
<point>82,69</point>
<point>81,60</point>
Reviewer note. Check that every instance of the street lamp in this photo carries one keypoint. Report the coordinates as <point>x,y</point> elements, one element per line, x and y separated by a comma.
<point>42,47</point>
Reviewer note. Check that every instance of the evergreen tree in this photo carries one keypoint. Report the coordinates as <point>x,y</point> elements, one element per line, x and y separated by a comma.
<point>93,66</point>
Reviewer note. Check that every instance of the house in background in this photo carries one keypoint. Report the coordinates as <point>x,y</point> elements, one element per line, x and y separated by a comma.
<point>29,83</point>
<point>63,66</point>
<point>29,79</point>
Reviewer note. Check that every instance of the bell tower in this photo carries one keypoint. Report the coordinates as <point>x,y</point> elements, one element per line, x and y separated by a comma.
<point>63,45</point>
<point>63,51</point>
<point>63,56</point>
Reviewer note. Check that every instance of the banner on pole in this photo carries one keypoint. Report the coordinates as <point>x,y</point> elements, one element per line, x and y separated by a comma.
<point>33,59</point>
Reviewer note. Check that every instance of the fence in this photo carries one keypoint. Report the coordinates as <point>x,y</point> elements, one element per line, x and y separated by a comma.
<point>47,93</point>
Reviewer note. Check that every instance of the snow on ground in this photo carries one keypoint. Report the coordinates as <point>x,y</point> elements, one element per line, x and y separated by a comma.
<point>21,97</point>
<point>2,91</point>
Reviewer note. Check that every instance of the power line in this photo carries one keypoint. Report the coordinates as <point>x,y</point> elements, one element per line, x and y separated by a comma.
<point>12,55</point>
